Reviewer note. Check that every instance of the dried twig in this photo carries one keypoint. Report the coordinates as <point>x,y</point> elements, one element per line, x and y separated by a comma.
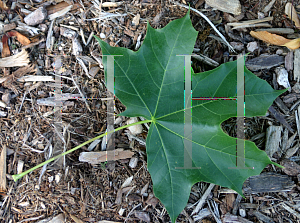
<point>83,97</point>
<point>209,22</point>
<point>203,199</point>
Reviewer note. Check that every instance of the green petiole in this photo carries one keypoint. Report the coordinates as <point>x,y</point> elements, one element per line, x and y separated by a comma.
<point>20,175</point>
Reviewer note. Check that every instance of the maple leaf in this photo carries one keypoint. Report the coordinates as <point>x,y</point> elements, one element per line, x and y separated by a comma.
<point>150,83</point>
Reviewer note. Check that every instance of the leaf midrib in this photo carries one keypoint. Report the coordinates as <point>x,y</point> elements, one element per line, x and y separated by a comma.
<point>165,70</point>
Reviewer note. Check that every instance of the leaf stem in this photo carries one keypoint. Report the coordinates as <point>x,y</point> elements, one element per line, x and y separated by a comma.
<point>20,175</point>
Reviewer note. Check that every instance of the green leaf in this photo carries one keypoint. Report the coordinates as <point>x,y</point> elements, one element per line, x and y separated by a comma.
<point>150,83</point>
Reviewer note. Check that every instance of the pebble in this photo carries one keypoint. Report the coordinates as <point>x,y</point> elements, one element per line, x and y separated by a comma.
<point>279,52</point>
<point>102,35</point>
<point>252,46</point>
<point>282,77</point>
<point>135,129</point>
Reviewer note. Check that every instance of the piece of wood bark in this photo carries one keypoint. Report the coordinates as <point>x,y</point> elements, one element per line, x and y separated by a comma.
<point>263,217</point>
<point>264,62</point>
<point>290,98</point>
<point>290,167</point>
<point>277,30</point>
<point>57,219</point>
<point>7,27</point>
<point>289,209</point>
<point>229,218</point>
<point>291,151</point>
<point>250,22</point>
<point>297,65</point>
<point>297,116</point>
<point>36,17</point>
<point>268,182</point>
<point>269,6</point>
<point>273,138</point>
<point>282,106</point>
<point>3,169</point>
<point>280,118</point>
<point>98,157</point>
<point>60,6</point>
<point>289,61</point>
<point>283,78</point>
<point>236,204</point>
<point>17,60</point>
<point>248,205</point>
<point>232,6</point>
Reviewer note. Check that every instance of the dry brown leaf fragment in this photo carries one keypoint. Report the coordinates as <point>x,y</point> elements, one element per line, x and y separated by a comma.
<point>5,48</point>
<point>293,44</point>
<point>269,37</point>
<point>292,14</point>
<point>21,38</point>
<point>276,39</point>
<point>3,6</point>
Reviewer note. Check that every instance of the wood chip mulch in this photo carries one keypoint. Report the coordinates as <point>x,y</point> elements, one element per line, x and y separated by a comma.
<point>65,62</point>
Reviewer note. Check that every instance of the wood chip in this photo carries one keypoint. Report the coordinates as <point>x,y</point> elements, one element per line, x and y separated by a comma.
<point>265,62</point>
<point>98,157</point>
<point>51,101</point>
<point>269,6</point>
<point>57,219</point>
<point>277,30</point>
<point>7,27</point>
<point>77,48</point>
<point>35,78</point>
<point>232,6</point>
<point>3,169</point>
<point>70,34</point>
<point>289,61</point>
<point>290,167</point>
<point>249,22</point>
<point>17,60</point>
<point>273,138</point>
<point>291,151</point>
<point>111,4</point>
<point>292,14</point>
<point>104,221</point>
<point>142,215</point>
<point>152,200</point>
<point>60,13</point>
<point>62,5</point>
<point>136,20</point>
<point>264,24</point>
<point>229,218</point>
<point>289,209</point>
<point>297,65</point>
<point>282,106</point>
<point>36,17</point>
<point>77,220</point>
<point>268,182</point>
<point>283,78</point>
<point>263,217</point>
<point>279,117</point>
<point>93,71</point>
